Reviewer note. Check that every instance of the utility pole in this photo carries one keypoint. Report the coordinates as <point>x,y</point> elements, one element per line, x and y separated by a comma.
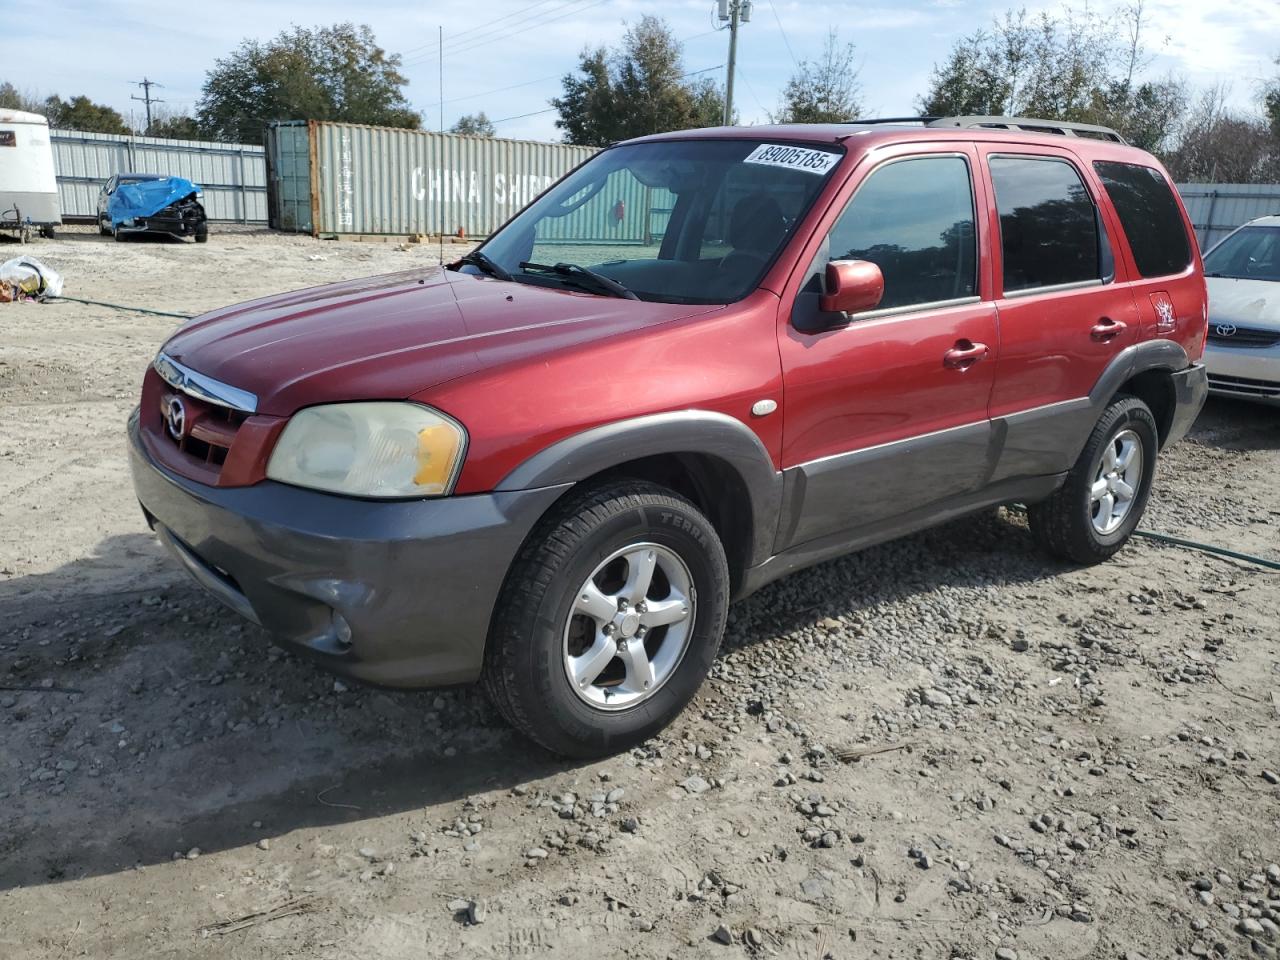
<point>146,97</point>
<point>736,12</point>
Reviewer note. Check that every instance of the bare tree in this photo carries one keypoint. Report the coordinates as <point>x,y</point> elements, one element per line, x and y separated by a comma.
<point>824,90</point>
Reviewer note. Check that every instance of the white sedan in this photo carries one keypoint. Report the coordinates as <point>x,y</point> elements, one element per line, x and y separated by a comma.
<point>1243,351</point>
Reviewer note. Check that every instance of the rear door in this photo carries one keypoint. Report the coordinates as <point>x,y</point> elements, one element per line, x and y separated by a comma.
<point>1064,305</point>
<point>886,413</point>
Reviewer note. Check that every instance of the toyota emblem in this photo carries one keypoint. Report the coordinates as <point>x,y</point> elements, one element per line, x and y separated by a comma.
<point>1225,329</point>
<point>175,418</point>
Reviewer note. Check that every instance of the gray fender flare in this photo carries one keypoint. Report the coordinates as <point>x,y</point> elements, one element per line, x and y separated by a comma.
<point>690,432</point>
<point>1135,359</point>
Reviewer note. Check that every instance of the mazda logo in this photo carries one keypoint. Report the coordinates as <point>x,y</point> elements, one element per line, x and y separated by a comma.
<point>175,418</point>
<point>1225,329</point>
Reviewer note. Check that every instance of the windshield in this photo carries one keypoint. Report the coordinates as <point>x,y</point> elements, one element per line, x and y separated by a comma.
<point>1252,253</point>
<point>682,221</point>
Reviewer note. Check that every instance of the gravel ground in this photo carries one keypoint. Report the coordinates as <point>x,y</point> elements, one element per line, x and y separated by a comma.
<point>945,747</point>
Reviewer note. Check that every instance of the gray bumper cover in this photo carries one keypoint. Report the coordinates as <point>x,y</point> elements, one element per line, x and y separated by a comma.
<point>417,581</point>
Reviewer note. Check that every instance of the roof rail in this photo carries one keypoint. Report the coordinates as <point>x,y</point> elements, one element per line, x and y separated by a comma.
<point>1061,128</point>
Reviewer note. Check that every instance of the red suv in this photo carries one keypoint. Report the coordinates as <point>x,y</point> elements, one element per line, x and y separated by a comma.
<point>552,465</point>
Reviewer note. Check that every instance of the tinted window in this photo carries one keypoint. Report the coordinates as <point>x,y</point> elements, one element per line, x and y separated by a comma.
<point>1149,215</point>
<point>1252,253</point>
<point>913,218</point>
<point>1048,225</point>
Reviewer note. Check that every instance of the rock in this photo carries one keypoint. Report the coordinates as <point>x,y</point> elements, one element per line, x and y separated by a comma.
<point>339,687</point>
<point>459,905</point>
<point>193,853</point>
<point>1006,953</point>
<point>1020,645</point>
<point>695,785</point>
<point>264,844</point>
<point>754,937</point>
<point>614,795</point>
<point>1271,776</point>
<point>1202,883</point>
<point>368,853</point>
<point>630,825</point>
<point>1250,927</point>
<point>934,698</point>
<point>723,935</point>
<point>536,853</point>
<point>477,912</point>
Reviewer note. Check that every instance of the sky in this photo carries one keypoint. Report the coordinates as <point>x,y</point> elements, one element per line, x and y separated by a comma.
<point>506,57</point>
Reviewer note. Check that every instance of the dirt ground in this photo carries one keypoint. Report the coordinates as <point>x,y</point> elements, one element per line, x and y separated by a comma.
<point>1060,763</point>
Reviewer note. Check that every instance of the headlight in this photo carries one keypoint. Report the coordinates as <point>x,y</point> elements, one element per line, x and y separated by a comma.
<point>374,449</point>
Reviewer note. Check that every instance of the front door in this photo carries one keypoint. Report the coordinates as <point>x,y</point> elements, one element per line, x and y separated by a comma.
<point>886,413</point>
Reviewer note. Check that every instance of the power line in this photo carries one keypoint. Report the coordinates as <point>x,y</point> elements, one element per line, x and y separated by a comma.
<point>784,34</point>
<point>509,28</point>
<point>481,27</point>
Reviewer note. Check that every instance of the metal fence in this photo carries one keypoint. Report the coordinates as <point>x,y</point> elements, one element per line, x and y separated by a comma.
<point>1218,208</point>
<point>232,175</point>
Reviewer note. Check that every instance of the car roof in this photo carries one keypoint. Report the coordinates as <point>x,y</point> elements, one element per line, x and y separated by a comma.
<point>861,137</point>
<point>141,176</point>
<point>1271,220</point>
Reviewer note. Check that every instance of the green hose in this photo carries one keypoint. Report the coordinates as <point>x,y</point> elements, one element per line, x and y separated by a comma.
<point>1021,508</point>
<point>1208,548</point>
<point>117,306</point>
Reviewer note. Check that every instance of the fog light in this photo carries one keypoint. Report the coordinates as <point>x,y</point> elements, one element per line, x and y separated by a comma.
<point>341,629</point>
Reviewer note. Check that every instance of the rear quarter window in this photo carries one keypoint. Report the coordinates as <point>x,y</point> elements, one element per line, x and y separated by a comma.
<point>1150,216</point>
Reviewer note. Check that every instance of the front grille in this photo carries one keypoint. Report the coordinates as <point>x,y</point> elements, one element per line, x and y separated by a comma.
<point>208,429</point>
<point>1243,336</point>
<point>1245,387</point>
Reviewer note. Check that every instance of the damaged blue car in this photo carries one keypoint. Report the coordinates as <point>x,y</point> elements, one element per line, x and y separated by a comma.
<point>131,203</point>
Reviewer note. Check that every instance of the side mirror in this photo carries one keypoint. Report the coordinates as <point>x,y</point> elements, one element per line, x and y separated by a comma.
<point>852,286</point>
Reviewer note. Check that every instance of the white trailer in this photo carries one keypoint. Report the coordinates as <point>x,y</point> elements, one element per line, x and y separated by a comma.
<point>28,186</point>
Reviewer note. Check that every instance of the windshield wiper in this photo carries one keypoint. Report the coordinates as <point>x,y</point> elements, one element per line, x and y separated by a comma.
<point>575,273</point>
<point>487,264</point>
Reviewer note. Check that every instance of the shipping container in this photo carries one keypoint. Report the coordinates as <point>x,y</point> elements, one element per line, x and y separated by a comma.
<point>331,179</point>
<point>233,176</point>
<point>1218,208</point>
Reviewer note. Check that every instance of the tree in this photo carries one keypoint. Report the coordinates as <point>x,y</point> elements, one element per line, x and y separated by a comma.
<point>1075,66</point>
<point>11,98</point>
<point>635,89</point>
<point>325,73</point>
<point>1217,145</point>
<point>81,113</point>
<point>173,124</point>
<point>825,90</point>
<point>474,125</point>
<point>1271,102</point>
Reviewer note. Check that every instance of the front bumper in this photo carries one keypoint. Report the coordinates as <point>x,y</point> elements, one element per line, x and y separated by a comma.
<point>1247,373</point>
<point>175,226</point>
<point>1190,391</point>
<point>416,581</point>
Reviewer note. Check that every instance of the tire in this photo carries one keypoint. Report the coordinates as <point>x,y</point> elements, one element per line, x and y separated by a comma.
<point>104,228</point>
<point>539,625</point>
<point>202,234</point>
<point>48,232</point>
<point>120,237</point>
<point>1070,524</point>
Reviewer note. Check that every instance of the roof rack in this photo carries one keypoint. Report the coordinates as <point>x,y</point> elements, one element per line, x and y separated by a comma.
<point>1061,128</point>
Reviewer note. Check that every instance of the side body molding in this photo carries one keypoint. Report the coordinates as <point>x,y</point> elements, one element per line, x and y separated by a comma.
<point>689,432</point>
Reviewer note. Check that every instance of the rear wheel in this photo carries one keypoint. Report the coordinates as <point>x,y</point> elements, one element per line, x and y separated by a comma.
<point>104,228</point>
<point>609,621</point>
<point>1096,510</point>
<point>202,234</point>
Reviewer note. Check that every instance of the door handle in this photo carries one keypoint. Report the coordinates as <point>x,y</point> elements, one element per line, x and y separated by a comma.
<point>1106,329</point>
<point>964,354</point>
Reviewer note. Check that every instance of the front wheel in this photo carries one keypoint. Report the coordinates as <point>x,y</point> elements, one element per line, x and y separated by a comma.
<point>609,620</point>
<point>1096,510</point>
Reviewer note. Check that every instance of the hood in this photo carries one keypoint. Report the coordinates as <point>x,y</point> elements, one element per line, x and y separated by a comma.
<point>147,197</point>
<point>393,336</point>
<point>1246,303</point>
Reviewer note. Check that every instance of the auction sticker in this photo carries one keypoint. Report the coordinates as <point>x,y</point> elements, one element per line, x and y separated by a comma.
<point>793,158</point>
